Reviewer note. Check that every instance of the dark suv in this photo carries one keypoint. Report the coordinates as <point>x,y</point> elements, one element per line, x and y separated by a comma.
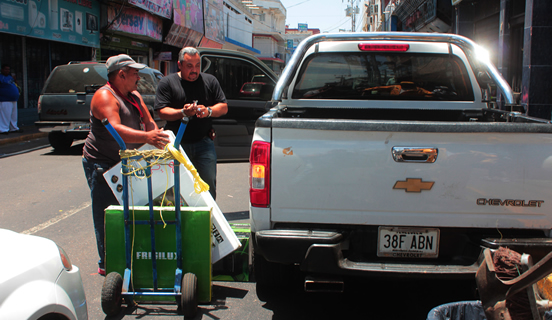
<point>64,105</point>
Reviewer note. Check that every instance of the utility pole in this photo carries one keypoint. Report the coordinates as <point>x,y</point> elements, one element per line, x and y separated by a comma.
<point>351,11</point>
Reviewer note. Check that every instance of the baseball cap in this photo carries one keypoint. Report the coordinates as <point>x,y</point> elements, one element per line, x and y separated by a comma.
<point>115,63</point>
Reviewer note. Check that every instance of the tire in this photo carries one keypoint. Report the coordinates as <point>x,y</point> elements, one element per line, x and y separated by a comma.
<point>111,294</point>
<point>271,278</point>
<point>60,141</point>
<point>189,295</point>
<point>271,274</point>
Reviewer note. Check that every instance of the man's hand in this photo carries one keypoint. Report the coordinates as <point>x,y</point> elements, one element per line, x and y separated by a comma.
<point>202,111</point>
<point>157,138</point>
<point>190,109</point>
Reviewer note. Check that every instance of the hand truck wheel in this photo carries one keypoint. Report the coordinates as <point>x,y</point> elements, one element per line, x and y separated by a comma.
<point>189,295</point>
<point>111,294</point>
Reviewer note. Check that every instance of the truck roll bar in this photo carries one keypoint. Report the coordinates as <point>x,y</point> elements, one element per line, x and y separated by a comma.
<point>473,51</point>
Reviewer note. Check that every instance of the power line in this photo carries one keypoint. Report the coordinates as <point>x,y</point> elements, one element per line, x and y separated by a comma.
<point>297,4</point>
<point>342,22</point>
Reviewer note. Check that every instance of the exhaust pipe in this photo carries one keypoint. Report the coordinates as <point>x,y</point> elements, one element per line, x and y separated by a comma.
<point>320,284</point>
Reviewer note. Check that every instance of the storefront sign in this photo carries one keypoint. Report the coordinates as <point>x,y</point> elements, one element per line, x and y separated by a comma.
<point>213,15</point>
<point>71,21</point>
<point>302,27</point>
<point>290,43</point>
<point>180,37</point>
<point>161,8</point>
<point>189,14</point>
<point>137,22</point>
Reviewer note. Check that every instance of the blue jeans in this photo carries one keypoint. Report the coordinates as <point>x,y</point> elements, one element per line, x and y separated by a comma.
<point>102,197</point>
<point>204,158</point>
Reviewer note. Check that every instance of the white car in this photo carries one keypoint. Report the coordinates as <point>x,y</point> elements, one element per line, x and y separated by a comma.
<point>37,279</point>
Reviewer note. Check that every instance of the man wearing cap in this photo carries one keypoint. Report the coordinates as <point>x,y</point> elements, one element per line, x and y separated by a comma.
<point>198,96</point>
<point>120,103</point>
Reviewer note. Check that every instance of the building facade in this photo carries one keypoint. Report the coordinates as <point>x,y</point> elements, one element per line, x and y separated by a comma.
<point>515,32</point>
<point>269,31</point>
<point>294,36</point>
<point>37,35</point>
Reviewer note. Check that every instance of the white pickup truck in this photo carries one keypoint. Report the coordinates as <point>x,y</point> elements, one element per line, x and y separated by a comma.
<point>385,156</point>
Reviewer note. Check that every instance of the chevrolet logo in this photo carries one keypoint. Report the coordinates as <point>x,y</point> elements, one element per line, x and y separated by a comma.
<point>413,185</point>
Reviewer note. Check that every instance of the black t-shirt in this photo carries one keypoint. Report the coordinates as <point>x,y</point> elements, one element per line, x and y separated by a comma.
<point>175,92</point>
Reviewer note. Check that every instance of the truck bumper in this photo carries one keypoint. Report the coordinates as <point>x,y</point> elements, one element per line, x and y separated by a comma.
<point>323,252</point>
<point>76,130</point>
<point>49,126</point>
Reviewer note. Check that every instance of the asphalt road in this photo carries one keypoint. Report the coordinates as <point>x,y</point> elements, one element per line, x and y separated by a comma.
<point>45,193</point>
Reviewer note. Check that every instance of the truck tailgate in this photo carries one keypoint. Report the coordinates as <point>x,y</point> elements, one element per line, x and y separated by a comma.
<point>479,179</point>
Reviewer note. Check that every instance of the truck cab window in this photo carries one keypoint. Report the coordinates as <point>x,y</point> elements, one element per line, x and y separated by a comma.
<point>383,76</point>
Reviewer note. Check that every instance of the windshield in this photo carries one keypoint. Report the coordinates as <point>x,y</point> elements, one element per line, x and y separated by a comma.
<point>383,76</point>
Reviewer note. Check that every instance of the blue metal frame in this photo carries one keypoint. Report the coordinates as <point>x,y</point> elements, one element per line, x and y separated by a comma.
<point>155,291</point>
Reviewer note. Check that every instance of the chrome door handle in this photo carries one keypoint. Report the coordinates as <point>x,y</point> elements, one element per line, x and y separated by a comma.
<point>414,154</point>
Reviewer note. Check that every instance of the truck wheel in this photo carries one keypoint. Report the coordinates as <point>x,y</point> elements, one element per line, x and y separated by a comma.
<point>60,141</point>
<point>111,294</point>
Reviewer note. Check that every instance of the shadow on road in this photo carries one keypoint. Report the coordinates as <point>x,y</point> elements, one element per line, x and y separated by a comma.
<point>370,299</point>
<point>75,150</point>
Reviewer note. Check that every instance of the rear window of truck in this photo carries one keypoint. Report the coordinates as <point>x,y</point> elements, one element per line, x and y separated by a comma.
<point>383,76</point>
<point>87,78</point>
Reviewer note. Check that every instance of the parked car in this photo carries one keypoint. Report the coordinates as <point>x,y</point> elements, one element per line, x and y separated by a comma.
<point>233,69</point>
<point>251,88</point>
<point>38,280</point>
<point>64,104</point>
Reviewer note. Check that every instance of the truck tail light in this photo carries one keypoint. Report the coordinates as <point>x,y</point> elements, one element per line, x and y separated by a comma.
<point>259,174</point>
<point>383,47</point>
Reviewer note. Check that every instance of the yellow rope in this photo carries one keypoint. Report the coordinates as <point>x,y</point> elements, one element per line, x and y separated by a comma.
<point>157,156</point>
<point>199,185</point>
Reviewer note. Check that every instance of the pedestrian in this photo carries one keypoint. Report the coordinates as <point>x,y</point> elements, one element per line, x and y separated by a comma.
<point>9,94</point>
<point>120,103</point>
<point>199,97</point>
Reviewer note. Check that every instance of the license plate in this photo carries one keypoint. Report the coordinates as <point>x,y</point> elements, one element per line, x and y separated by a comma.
<point>403,242</point>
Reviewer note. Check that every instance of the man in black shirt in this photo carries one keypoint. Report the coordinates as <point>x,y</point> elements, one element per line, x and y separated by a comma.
<point>198,96</point>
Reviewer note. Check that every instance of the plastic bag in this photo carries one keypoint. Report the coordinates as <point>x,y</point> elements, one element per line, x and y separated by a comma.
<point>463,310</point>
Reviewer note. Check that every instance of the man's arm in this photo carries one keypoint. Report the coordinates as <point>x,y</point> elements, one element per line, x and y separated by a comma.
<point>172,114</point>
<point>220,108</point>
<point>163,97</point>
<point>104,105</point>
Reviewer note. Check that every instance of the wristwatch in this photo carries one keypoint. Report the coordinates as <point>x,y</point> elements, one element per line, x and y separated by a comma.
<point>210,112</point>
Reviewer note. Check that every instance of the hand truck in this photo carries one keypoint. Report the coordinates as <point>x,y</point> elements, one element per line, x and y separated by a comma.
<point>117,287</point>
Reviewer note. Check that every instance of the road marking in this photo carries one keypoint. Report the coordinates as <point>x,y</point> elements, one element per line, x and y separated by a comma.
<point>57,219</point>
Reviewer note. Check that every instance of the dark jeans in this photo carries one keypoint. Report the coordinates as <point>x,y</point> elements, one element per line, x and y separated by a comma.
<point>204,158</point>
<point>102,197</point>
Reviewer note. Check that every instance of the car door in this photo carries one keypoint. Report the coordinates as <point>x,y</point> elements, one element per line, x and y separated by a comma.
<point>235,129</point>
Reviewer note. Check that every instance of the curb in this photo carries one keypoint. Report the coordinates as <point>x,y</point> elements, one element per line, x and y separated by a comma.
<point>23,138</point>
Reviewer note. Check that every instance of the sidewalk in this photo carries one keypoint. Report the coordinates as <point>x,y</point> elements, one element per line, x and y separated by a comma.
<point>29,132</point>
